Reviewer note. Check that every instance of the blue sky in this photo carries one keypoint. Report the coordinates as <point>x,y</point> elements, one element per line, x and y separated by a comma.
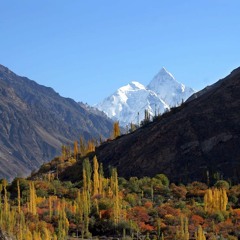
<point>87,49</point>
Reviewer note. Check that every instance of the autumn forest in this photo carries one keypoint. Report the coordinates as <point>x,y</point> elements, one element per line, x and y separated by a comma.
<point>98,206</point>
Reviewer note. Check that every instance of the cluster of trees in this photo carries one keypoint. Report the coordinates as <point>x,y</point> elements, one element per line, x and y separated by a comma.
<point>82,148</point>
<point>45,208</point>
<point>151,118</point>
<point>148,118</point>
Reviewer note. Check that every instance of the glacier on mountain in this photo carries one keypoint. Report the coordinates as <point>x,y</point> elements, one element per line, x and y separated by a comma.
<point>128,103</point>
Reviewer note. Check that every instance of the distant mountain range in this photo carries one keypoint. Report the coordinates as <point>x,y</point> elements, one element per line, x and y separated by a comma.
<point>129,102</point>
<point>197,141</point>
<point>35,122</point>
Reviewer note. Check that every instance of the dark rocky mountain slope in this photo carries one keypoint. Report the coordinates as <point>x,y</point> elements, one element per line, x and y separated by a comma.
<point>200,140</point>
<point>35,121</point>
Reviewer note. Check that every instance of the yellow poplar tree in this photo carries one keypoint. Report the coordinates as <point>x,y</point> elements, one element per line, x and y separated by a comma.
<point>33,198</point>
<point>86,210</point>
<point>116,130</point>
<point>46,234</point>
<point>95,176</point>
<point>86,193</point>
<point>28,234</point>
<point>183,233</point>
<point>19,197</point>
<point>63,223</point>
<point>79,209</point>
<point>36,236</point>
<point>6,205</point>
<point>5,213</point>
<point>91,146</point>
<point>101,179</point>
<point>87,172</point>
<point>21,226</point>
<point>115,191</point>
<point>75,149</point>
<point>215,199</point>
<point>199,234</point>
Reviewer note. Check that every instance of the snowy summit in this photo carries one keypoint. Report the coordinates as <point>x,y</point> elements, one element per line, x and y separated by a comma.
<point>129,102</point>
<point>168,89</point>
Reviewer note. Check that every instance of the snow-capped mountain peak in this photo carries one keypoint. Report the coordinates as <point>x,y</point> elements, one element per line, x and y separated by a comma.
<point>168,89</point>
<point>162,78</point>
<point>164,72</point>
<point>129,102</point>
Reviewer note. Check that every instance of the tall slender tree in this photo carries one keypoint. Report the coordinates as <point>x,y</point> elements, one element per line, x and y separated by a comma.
<point>183,233</point>
<point>19,197</point>
<point>95,176</point>
<point>115,190</point>
<point>199,234</point>
<point>116,130</point>
<point>32,198</point>
<point>75,149</point>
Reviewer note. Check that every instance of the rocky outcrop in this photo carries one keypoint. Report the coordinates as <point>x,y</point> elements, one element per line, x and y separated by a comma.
<point>197,141</point>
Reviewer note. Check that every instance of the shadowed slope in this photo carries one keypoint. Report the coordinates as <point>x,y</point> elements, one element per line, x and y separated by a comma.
<point>197,141</point>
